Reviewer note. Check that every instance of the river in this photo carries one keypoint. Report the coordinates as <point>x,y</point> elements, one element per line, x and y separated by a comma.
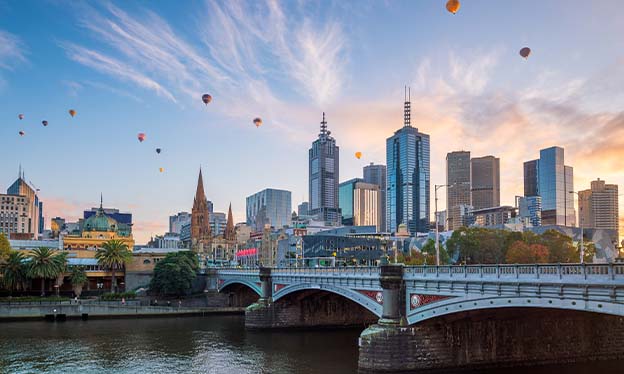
<point>215,344</point>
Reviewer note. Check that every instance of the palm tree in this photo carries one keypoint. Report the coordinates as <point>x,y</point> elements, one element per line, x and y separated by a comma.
<point>45,264</point>
<point>78,279</point>
<point>113,255</point>
<point>14,271</point>
<point>61,260</point>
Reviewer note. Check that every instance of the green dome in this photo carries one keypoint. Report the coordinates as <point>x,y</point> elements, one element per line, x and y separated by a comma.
<point>100,222</point>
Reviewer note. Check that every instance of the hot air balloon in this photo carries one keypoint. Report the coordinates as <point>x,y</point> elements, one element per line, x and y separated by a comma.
<point>453,6</point>
<point>358,155</point>
<point>45,123</point>
<point>141,137</point>
<point>20,116</point>
<point>525,52</point>
<point>21,133</point>
<point>257,122</point>
<point>161,169</point>
<point>206,98</point>
<point>158,150</point>
<point>72,112</point>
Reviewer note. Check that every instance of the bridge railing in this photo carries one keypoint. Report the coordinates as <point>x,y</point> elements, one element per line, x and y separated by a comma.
<point>372,271</point>
<point>552,272</point>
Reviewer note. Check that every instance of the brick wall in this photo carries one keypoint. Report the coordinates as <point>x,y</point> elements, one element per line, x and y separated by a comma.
<point>494,338</point>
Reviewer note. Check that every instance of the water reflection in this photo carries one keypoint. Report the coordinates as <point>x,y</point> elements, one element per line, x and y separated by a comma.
<point>216,344</point>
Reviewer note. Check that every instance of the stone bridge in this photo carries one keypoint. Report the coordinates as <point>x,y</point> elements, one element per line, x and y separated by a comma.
<point>447,316</point>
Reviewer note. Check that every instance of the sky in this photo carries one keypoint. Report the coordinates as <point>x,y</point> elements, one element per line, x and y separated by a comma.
<point>142,66</point>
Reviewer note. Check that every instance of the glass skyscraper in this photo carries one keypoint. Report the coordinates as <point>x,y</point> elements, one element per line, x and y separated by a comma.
<point>345,200</point>
<point>549,178</point>
<point>408,177</point>
<point>269,207</point>
<point>323,177</point>
<point>376,174</point>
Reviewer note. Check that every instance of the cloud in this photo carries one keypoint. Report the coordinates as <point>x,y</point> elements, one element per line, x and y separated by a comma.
<point>12,52</point>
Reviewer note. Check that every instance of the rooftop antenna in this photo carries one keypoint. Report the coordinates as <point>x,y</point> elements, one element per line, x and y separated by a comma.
<point>101,200</point>
<point>324,127</point>
<point>407,108</point>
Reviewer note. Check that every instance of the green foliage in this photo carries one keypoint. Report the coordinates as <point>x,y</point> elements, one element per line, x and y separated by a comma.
<point>476,245</point>
<point>522,253</point>
<point>174,274</point>
<point>45,263</point>
<point>588,252</point>
<point>560,247</point>
<point>78,276</point>
<point>30,299</point>
<point>5,246</point>
<point>113,255</point>
<point>118,296</point>
<point>14,271</point>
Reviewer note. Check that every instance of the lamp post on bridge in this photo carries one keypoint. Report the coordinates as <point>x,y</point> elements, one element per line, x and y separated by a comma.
<point>582,251</point>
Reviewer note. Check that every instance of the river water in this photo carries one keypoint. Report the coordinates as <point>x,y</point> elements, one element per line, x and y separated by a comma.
<point>214,344</point>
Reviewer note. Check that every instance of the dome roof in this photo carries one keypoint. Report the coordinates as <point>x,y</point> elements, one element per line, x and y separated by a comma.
<point>100,222</point>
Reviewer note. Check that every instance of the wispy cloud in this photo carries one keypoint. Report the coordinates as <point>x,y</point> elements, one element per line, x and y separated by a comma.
<point>12,52</point>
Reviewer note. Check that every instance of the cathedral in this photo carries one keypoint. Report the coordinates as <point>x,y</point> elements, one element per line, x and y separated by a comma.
<point>220,247</point>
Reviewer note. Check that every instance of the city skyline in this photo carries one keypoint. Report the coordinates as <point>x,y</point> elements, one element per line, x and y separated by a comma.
<point>479,96</point>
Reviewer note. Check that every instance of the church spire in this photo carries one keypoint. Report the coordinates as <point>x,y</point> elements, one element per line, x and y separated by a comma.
<point>199,194</point>
<point>230,234</point>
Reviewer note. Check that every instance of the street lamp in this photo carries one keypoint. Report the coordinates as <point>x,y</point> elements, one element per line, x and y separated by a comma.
<point>580,223</point>
<point>437,231</point>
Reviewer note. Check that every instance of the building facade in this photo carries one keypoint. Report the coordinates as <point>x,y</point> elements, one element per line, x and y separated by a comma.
<point>549,178</point>
<point>303,209</point>
<point>377,175</point>
<point>14,216</point>
<point>493,216</point>
<point>324,173</point>
<point>530,209</point>
<point>457,187</point>
<point>34,214</point>
<point>345,200</point>
<point>360,203</point>
<point>485,182</point>
<point>598,207</point>
<point>271,207</point>
<point>408,177</point>
<point>176,221</point>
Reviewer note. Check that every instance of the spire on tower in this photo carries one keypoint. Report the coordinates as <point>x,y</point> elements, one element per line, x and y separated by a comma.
<point>230,233</point>
<point>101,200</point>
<point>199,193</point>
<point>407,108</point>
<point>324,131</point>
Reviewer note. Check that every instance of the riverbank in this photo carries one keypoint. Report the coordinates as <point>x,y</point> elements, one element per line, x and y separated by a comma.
<point>63,311</point>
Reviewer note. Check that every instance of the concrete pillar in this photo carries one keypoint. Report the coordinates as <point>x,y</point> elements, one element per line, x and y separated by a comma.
<point>391,279</point>
<point>266,285</point>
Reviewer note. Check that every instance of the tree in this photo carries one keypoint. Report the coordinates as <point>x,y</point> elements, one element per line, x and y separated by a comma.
<point>589,250</point>
<point>78,278</point>
<point>113,255</point>
<point>5,247</point>
<point>45,264</point>
<point>14,271</point>
<point>174,274</point>
<point>429,250</point>
<point>523,253</point>
<point>560,247</point>
<point>61,258</point>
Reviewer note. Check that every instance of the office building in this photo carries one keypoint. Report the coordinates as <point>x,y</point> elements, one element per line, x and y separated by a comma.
<point>34,214</point>
<point>408,180</point>
<point>549,178</point>
<point>15,219</point>
<point>485,182</point>
<point>218,221</point>
<point>269,207</point>
<point>530,209</point>
<point>303,209</point>
<point>359,203</point>
<point>376,174</point>
<point>598,207</point>
<point>458,188</point>
<point>493,216</point>
<point>345,200</point>
<point>176,222</point>
<point>323,177</point>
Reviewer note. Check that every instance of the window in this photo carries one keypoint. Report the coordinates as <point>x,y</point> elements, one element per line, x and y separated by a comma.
<point>147,261</point>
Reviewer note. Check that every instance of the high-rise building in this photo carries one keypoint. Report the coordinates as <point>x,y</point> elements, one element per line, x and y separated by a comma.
<point>323,177</point>
<point>15,217</point>
<point>458,188</point>
<point>345,200</point>
<point>530,209</point>
<point>485,182</point>
<point>366,203</point>
<point>217,223</point>
<point>303,209</point>
<point>176,222</point>
<point>376,174</point>
<point>22,188</point>
<point>408,180</point>
<point>269,207</point>
<point>200,220</point>
<point>549,178</point>
<point>598,207</point>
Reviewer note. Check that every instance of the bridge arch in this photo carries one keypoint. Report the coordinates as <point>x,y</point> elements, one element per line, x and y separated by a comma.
<point>347,293</point>
<point>251,285</point>
<point>455,305</point>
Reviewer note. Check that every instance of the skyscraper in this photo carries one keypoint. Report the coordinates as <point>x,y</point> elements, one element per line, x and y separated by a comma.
<point>177,221</point>
<point>485,182</point>
<point>530,208</point>
<point>376,174</point>
<point>408,179</point>
<point>598,207</point>
<point>458,188</point>
<point>549,178</point>
<point>269,207</point>
<point>345,200</point>
<point>303,209</point>
<point>22,188</point>
<point>324,176</point>
<point>200,219</point>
